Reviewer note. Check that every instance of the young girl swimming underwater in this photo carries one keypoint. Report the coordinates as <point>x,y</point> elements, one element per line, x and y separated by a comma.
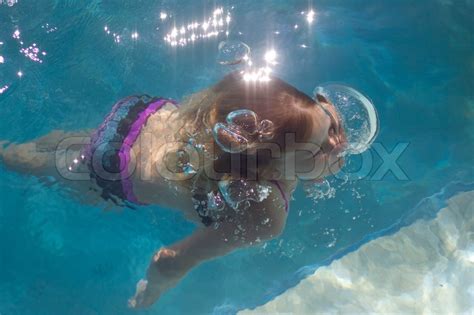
<point>228,157</point>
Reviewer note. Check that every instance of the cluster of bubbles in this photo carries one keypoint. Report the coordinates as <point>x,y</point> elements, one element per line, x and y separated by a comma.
<point>241,129</point>
<point>319,190</point>
<point>360,122</point>
<point>236,192</point>
<point>349,208</point>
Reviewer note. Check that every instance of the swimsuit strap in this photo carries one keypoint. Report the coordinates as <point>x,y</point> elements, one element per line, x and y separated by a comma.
<point>124,152</point>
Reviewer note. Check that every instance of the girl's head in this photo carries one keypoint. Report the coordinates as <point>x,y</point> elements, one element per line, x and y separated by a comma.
<point>303,136</point>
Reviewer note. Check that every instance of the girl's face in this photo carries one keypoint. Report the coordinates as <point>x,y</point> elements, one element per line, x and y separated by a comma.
<point>327,142</point>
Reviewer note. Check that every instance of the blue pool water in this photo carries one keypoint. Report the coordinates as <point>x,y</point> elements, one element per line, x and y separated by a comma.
<point>414,59</point>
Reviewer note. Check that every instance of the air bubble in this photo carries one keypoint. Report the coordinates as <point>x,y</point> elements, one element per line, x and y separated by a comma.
<point>319,190</point>
<point>232,52</point>
<point>237,192</point>
<point>358,115</point>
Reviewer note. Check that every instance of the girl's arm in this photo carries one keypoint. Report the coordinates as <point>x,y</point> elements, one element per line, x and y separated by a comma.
<point>262,221</point>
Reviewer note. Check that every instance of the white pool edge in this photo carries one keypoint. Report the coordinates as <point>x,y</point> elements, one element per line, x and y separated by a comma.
<point>427,266</point>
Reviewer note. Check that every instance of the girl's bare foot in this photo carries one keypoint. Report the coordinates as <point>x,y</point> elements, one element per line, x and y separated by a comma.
<point>160,277</point>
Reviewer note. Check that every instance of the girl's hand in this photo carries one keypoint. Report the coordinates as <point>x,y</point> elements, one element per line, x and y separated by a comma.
<point>161,276</point>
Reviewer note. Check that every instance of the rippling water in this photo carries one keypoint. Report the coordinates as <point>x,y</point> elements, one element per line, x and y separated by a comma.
<point>64,63</point>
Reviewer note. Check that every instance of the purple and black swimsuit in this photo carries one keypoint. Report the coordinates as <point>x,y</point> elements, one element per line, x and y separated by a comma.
<point>108,154</point>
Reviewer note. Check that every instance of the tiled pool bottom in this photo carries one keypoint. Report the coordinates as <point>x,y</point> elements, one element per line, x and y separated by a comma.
<point>427,267</point>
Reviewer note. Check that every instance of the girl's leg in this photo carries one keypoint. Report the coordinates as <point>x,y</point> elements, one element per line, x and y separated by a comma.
<point>49,157</point>
<point>41,156</point>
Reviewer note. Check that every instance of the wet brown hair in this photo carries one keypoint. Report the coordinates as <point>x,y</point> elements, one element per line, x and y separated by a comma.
<point>290,110</point>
